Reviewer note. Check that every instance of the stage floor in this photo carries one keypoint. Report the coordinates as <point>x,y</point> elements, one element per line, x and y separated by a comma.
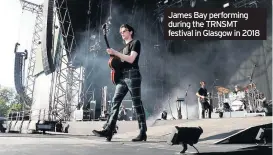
<point>32,144</point>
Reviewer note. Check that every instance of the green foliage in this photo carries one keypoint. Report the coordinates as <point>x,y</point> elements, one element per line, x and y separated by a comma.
<point>3,108</point>
<point>7,94</point>
<point>15,107</point>
<point>9,101</point>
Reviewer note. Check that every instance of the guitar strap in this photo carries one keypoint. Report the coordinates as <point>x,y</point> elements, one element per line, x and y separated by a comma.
<point>126,46</point>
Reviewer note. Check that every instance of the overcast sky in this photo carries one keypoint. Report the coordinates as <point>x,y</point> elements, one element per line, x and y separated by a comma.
<point>16,26</point>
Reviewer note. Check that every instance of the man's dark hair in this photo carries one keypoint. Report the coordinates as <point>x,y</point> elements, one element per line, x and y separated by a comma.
<point>201,82</point>
<point>129,28</point>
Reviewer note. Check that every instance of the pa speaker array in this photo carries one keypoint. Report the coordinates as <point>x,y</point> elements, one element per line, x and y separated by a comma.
<point>47,40</point>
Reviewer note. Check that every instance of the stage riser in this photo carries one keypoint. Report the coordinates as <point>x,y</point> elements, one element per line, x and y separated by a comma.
<point>236,114</point>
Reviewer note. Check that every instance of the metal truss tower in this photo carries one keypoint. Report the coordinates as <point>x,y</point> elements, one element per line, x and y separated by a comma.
<point>67,88</point>
<point>30,80</point>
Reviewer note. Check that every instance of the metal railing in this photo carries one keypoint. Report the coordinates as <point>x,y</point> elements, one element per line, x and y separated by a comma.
<point>40,114</point>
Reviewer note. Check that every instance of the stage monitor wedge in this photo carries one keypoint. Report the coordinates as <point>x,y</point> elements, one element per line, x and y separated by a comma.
<point>47,37</point>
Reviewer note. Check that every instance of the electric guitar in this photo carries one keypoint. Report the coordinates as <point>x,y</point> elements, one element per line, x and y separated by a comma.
<point>206,98</point>
<point>114,62</point>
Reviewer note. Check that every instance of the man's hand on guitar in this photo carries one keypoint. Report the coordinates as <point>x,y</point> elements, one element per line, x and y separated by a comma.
<point>111,51</point>
<point>202,97</point>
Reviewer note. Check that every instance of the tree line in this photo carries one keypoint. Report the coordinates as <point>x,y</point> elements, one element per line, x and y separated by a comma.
<point>9,101</point>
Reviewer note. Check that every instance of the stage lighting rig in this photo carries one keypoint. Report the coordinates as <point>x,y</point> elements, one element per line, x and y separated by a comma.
<point>163,4</point>
<point>95,46</point>
<point>242,4</point>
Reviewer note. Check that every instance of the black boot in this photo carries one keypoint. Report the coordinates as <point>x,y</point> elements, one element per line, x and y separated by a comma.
<point>104,133</point>
<point>140,137</point>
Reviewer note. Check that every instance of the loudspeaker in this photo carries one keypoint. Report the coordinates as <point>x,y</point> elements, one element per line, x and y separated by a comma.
<point>47,39</point>
<point>19,72</point>
<point>187,135</point>
<point>164,115</point>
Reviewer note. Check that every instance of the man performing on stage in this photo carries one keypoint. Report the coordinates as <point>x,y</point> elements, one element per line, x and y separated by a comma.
<point>130,81</point>
<point>236,89</point>
<point>203,103</point>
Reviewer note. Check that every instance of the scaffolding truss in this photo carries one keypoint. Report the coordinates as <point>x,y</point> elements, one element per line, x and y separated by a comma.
<point>36,40</point>
<point>67,88</point>
<point>32,7</point>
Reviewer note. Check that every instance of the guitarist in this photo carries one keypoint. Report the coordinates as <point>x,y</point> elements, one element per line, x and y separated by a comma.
<point>203,100</point>
<point>129,81</point>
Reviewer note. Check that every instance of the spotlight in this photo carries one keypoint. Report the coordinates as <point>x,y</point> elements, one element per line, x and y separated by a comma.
<point>226,5</point>
<point>161,19</point>
<point>185,136</point>
<point>159,3</point>
<point>192,3</point>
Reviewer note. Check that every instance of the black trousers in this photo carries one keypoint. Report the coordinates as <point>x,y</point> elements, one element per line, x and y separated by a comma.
<point>206,106</point>
<point>130,81</point>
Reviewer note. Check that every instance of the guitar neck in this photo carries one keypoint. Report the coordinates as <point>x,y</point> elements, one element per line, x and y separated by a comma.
<point>106,41</point>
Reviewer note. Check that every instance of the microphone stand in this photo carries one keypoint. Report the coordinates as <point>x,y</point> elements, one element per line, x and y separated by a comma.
<point>212,91</point>
<point>251,76</point>
<point>186,100</point>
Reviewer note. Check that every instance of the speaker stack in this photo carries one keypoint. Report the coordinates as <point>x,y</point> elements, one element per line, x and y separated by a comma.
<point>47,39</point>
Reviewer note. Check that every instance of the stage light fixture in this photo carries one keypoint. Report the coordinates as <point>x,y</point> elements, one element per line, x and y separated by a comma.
<point>192,3</point>
<point>161,19</point>
<point>226,5</point>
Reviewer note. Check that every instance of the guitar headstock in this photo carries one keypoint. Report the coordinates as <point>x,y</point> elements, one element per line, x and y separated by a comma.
<point>105,29</point>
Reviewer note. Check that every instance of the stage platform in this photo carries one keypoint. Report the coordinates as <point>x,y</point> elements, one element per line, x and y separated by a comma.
<point>214,129</point>
<point>33,144</point>
<point>80,135</point>
<point>159,130</point>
